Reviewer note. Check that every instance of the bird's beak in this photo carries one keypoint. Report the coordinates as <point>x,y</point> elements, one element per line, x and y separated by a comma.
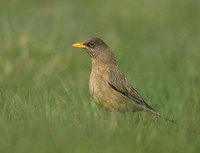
<point>79,45</point>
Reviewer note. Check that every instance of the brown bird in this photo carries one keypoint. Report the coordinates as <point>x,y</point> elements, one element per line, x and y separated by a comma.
<point>108,85</point>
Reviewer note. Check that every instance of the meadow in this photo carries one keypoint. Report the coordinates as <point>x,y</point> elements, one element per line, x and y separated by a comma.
<point>45,105</point>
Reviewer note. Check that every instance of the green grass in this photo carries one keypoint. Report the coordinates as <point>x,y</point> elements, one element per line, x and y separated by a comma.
<point>45,105</point>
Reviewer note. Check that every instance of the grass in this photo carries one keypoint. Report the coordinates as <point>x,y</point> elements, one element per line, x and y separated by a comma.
<point>45,105</point>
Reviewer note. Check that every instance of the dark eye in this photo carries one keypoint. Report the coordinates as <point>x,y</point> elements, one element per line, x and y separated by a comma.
<point>92,44</point>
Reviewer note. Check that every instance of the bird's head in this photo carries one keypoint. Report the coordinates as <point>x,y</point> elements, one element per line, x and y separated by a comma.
<point>94,46</point>
<point>97,49</point>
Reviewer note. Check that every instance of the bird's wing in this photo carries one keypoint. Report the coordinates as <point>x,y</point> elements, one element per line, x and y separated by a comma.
<point>118,82</point>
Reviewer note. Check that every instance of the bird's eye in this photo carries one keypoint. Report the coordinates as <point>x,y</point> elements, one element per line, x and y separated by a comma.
<point>92,44</point>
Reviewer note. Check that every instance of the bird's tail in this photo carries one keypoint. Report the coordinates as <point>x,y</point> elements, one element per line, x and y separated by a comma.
<point>152,111</point>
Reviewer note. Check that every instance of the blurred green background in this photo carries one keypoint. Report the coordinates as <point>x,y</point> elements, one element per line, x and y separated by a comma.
<point>45,105</point>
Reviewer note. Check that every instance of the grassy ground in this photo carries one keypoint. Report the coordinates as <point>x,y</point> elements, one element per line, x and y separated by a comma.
<point>45,106</point>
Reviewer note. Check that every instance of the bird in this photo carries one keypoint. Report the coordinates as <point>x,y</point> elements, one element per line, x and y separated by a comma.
<point>108,85</point>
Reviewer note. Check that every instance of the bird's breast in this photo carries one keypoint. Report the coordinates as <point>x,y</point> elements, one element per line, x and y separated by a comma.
<point>98,82</point>
<point>101,91</point>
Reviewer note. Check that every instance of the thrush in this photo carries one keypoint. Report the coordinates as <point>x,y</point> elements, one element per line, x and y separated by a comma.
<point>108,85</point>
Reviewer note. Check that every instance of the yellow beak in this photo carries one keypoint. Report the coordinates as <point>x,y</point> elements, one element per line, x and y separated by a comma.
<point>79,45</point>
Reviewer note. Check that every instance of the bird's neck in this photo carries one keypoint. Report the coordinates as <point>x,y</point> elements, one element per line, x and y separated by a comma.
<point>104,58</point>
<point>101,67</point>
